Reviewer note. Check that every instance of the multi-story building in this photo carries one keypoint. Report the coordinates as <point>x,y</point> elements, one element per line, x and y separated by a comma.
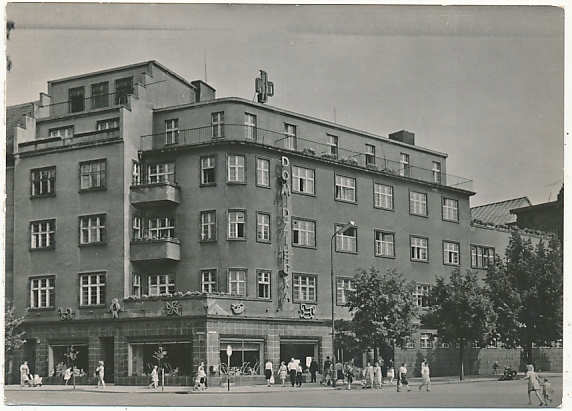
<point>143,212</point>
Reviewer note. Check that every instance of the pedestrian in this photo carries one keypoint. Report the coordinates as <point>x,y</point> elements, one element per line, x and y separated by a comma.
<point>368,376</point>
<point>495,368</point>
<point>425,379</point>
<point>200,379</point>
<point>533,383</point>
<point>349,373</point>
<point>24,374</point>
<point>338,372</point>
<point>292,371</point>
<point>547,392</point>
<point>377,376</point>
<point>268,371</point>
<point>283,373</point>
<point>299,372</point>
<point>154,378</point>
<point>390,372</point>
<point>100,373</point>
<point>313,370</point>
<point>327,372</point>
<point>67,375</point>
<point>402,378</point>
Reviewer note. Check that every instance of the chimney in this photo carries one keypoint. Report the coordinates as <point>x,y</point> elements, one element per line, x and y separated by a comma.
<point>203,92</point>
<point>403,136</point>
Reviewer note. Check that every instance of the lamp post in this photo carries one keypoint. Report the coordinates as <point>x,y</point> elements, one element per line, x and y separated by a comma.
<point>333,288</point>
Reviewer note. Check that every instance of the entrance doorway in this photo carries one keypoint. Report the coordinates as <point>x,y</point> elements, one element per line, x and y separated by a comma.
<point>299,350</point>
<point>108,358</point>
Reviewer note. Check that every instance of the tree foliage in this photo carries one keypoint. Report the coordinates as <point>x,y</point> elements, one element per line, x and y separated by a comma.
<point>13,338</point>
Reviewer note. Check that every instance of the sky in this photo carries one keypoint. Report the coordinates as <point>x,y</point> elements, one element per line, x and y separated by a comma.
<point>484,84</point>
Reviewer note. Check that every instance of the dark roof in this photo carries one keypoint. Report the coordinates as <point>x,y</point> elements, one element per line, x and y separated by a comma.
<point>15,117</point>
<point>499,213</point>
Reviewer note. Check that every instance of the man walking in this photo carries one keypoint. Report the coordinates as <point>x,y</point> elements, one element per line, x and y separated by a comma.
<point>292,371</point>
<point>313,370</point>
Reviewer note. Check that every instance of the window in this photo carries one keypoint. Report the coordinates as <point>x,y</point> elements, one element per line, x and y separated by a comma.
<point>421,295</point>
<point>62,132</point>
<point>208,170</point>
<point>43,234</point>
<point>208,281</point>
<point>557,344</point>
<point>44,182</point>
<point>369,155</point>
<point>111,123</point>
<point>263,172</point>
<point>417,203</point>
<point>161,284</point>
<point>217,124</point>
<point>236,169</point>
<point>404,169</point>
<point>100,95</point>
<point>345,189</point>
<point>436,172</point>
<point>123,88</point>
<point>136,173</point>
<point>263,284</point>
<point>236,225</point>
<point>92,289</point>
<point>92,229</point>
<point>76,99</point>
<point>450,209</point>
<point>444,344</point>
<point>42,292</point>
<point>208,226</point>
<point>161,173</point>
<point>304,288</point>
<point>333,145</point>
<point>382,196</point>
<point>482,256</point>
<point>136,285</point>
<point>237,282</point>
<point>419,249</point>
<point>172,131</point>
<point>426,340</point>
<point>410,344</point>
<point>342,286</point>
<point>290,142</point>
<point>450,253</point>
<point>249,126</point>
<point>302,180</point>
<point>493,344</point>
<point>160,228</point>
<point>137,233</point>
<point>263,227</point>
<point>92,175</point>
<point>384,244</point>
<point>346,241</point>
<point>303,233</point>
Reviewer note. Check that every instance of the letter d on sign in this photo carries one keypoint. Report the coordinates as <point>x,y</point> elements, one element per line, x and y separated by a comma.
<point>285,161</point>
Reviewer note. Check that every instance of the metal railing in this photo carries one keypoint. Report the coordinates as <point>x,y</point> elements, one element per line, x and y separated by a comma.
<point>243,133</point>
<point>74,141</point>
<point>85,104</point>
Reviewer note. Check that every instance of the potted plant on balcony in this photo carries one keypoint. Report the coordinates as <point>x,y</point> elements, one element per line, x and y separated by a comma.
<point>309,151</point>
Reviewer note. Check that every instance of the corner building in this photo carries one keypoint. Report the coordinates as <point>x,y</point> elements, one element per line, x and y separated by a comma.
<point>143,212</point>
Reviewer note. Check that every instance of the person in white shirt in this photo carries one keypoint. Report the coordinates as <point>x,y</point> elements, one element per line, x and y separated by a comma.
<point>292,371</point>
<point>268,371</point>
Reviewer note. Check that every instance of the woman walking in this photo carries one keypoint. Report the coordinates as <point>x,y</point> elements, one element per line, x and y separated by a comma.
<point>100,374</point>
<point>154,378</point>
<point>425,379</point>
<point>283,373</point>
<point>377,377</point>
<point>533,383</point>
<point>402,378</point>
<point>268,371</point>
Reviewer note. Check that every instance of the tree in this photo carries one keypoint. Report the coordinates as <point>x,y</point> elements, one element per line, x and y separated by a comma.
<point>526,290</point>
<point>461,311</point>
<point>383,308</point>
<point>9,27</point>
<point>72,356</point>
<point>13,337</point>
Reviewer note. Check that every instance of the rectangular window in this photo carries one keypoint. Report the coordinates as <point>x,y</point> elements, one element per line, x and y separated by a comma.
<point>100,95</point>
<point>493,344</point>
<point>333,145</point>
<point>42,292</point>
<point>208,170</point>
<point>290,142</point>
<point>384,244</point>
<point>92,289</point>
<point>43,182</point>
<point>137,233</point>
<point>557,344</point>
<point>436,172</point>
<point>237,282</point>
<point>263,227</point>
<point>417,203</point>
<point>410,344</point>
<point>208,226</point>
<point>383,196</point>
<point>92,175</point>
<point>161,284</point>
<point>208,281</point>
<point>369,155</point>
<point>108,124</point>
<point>426,340</point>
<point>236,225</point>
<point>421,295</point>
<point>450,209</point>
<point>161,228</point>
<point>161,173</point>
<point>172,131</point>
<point>304,288</point>
<point>136,285</point>
<point>236,169</point>
<point>92,229</point>
<point>76,99</point>
<point>217,124</point>
<point>136,173</point>
<point>404,169</point>
<point>303,233</point>
<point>249,126</point>
<point>346,241</point>
<point>444,344</point>
<point>263,172</point>
<point>342,286</point>
<point>43,234</point>
<point>482,256</point>
<point>62,132</point>
<point>345,188</point>
<point>302,180</point>
<point>263,284</point>
<point>123,88</point>
<point>450,253</point>
<point>419,249</point>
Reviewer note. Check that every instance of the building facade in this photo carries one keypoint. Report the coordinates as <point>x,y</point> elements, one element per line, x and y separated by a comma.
<point>155,217</point>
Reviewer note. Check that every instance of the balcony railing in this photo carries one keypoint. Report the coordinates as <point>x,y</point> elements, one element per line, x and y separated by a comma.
<point>153,194</point>
<point>235,132</point>
<point>158,249</point>
<point>74,141</point>
<point>86,104</point>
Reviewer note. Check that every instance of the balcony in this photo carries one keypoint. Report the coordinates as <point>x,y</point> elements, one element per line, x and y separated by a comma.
<point>163,249</point>
<point>81,105</point>
<point>155,194</point>
<point>55,143</point>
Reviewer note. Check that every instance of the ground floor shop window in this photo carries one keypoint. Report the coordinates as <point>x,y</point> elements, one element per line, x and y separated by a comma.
<point>60,357</point>
<point>177,358</point>
<point>246,356</point>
